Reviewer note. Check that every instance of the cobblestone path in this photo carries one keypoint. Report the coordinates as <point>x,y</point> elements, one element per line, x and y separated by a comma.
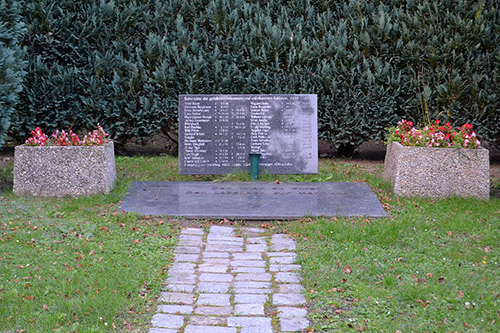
<point>232,280</point>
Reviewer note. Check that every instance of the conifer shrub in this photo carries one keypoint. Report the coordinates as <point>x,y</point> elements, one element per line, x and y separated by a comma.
<point>11,61</point>
<point>123,64</point>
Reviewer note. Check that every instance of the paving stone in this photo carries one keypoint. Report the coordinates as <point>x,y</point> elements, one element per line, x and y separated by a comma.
<point>290,288</point>
<point>223,243</point>
<point>280,238</point>
<point>214,310</point>
<point>208,329</point>
<point>247,256</point>
<point>176,274</point>
<point>167,321</point>
<point>280,242</point>
<point>288,299</point>
<point>253,277</point>
<point>294,324</point>
<point>281,254</point>
<point>206,320</point>
<point>175,309</point>
<point>225,248</point>
<point>256,247</point>
<point>182,267</point>
<point>252,230</point>
<point>181,274</point>
<point>267,329</point>
<point>283,268</point>
<point>249,309</point>
<point>216,261</point>
<point>248,263</point>
<point>214,299</point>
<point>188,243</point>
<point>212,287</point>
<point>215,229</point>
<point>211,277</point>
<point>251,284</point>
<point>179,298</point>
<point>187,250</point>
<point>251,291</point>
<point>213,268</point>
<point>183,236</point>
<point>249,322</point>
<point>161,330</point>
<point>181,280</point>
<point>248,270</point>
<point>282,260</point>
<point>287,277</point>
<point>282,246</point>
<point>257,240</point>
<point>291,312</point>
<point>184,288</point>
<point>215,255</point>
<point>193,231</point>
<point>187,257</point>
<point>250,298</point>
<point>229,238</point>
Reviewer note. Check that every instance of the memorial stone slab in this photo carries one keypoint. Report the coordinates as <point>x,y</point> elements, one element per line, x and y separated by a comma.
<point>251,201</point>
<point>218,132</point>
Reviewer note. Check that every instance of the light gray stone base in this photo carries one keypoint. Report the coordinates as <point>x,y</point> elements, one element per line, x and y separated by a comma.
<point>52,171</point>
<point>438,172</point>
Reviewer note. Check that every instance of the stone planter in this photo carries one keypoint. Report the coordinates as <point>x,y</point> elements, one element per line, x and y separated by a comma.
<point>52,171</point>
<point>438,172</point>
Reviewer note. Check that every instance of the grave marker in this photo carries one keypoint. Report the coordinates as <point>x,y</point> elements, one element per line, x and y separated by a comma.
<point>218,132</point>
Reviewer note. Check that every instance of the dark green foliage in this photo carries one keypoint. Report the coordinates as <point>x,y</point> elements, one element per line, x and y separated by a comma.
<point>11,61</point>
<point>124,63</point>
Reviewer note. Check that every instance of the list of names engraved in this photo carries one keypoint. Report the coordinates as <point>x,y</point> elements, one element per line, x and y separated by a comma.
<point>218,132</point>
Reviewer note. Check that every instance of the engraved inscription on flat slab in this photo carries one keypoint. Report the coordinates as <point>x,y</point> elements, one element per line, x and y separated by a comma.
<point>252,201</point>
<point>218,132</point>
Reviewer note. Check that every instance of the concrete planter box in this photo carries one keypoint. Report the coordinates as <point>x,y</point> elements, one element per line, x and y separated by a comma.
<point>438,172</point>
<point>52,171</point>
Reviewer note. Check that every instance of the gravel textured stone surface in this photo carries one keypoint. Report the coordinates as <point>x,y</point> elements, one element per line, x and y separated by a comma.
<point>58,171</point>
<point>232,280</point>
<point>438,172</point>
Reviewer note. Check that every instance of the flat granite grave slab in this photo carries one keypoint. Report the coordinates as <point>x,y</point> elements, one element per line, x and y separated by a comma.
<point>251,201</point>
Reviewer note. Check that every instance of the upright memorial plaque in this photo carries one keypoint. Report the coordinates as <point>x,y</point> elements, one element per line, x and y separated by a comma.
<point>218,132</point>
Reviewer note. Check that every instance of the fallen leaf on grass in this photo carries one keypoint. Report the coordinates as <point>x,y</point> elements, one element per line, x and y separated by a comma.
<point>347,269</point>
<point>45,307</point>
<point>460,294</point>
<point>465,325</point>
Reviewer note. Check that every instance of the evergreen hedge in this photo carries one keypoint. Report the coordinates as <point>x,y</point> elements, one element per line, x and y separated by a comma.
<point>11,61</point>
<point>124,63</point>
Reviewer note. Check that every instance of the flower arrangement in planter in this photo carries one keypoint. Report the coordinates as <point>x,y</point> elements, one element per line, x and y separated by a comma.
<point>63,164</point>
<point>63,138</point>
<point>442,136</point>
<point>436,161</point>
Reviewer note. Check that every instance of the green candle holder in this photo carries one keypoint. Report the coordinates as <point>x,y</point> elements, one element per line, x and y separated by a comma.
<point>254,166</point>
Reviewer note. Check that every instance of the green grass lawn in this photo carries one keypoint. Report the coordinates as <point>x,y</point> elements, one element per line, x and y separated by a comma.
<point>82,265</point>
